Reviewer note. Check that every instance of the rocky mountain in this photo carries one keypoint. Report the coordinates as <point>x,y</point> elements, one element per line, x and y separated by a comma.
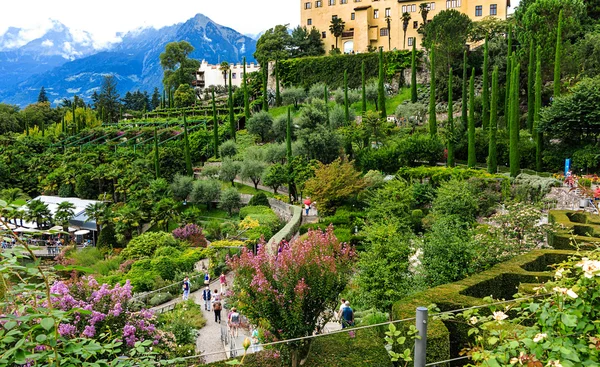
<point>134,61</point>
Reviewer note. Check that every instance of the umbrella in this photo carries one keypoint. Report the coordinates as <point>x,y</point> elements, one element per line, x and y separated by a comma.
<point>82,232</point>
<point>307,201</point>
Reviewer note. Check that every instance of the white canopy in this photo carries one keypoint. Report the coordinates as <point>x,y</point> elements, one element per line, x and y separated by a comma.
<point>82,232</point>
<point>25,230</point>
<point>10,226</point>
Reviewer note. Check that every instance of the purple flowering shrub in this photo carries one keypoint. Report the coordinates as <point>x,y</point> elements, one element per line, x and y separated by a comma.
<point>106,316</point>
<point>191,233</point>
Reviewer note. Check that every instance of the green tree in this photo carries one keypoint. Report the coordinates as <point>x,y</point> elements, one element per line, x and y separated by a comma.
<point>64,212</point>
<point>232,122</point>
<point>514,158</point>
<point>275,176</point>
<point>42,97</point>
<point>230,200</point>
<point>274,44</point>
<point>337,28</point>
<point>38,212</point>
<point>530,87</point>
<point>507,87</point>
<point>97,212</point>
<point>178,67</point>
<point>246,96</point>
<point>381,86</point>
<point>184,96</point>
<point>163,212</point>
<point>485,118</point>
<point>432,117</point>
<point>109,99</point>
<point>155,102</point>
<point>450,123</point>
<point>181,187</point>
<point>538,106</point>
<point>9,119</point>
<point>206,191</point>
<point>186,145</point>
<point>293,95</point>
<point>261,124</point>
<point>363,90</point>
<point>156,156</point>
<point>465,77</point>
<point>557,55</point>
<point>224,68</point>
<point>413,74</point>
<point>215,126</point>
<point>229,170</point>
<point>448,32</point>
<point>472,159</point>
<point>455,198</point>
<point>252,170</point>
<point>265,94</point>
<point>306,42</point>
<point>492,161</point>
<point>405,21</point>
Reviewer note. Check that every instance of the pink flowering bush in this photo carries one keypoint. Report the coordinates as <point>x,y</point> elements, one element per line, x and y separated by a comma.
<point>192,234</point>
<point>106,315</point>
<point>290,290</point>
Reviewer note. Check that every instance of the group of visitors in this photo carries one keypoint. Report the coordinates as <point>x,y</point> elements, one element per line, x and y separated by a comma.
<point>6,243</point>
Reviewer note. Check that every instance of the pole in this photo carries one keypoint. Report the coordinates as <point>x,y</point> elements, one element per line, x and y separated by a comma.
<point>421,344</point>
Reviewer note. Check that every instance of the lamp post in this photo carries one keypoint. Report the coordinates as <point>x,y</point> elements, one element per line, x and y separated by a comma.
<point>388,20</point>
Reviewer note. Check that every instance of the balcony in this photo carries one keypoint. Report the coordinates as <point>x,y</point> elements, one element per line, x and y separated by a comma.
<point>349,34</point>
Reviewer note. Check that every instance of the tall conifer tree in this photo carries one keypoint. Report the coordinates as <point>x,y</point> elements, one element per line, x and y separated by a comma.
<point>432,117</point>
<point>246,96</point>
<point>538,106</point>
<point>558,55</point>
<point>514,159</point>
<point>215,126</point>
<point>485,95</point>
<point>508,79</point>
<point>471,157</point>
<point>364,88</point>
<point>186,145</point>
<point>413,74</point>
<point>156,160</point>
<point>450,122</point>
<point>381,87</point>
<point>492,162</point>
<point>530,87</point>
<point>464,106</point>
<point>232,122</point>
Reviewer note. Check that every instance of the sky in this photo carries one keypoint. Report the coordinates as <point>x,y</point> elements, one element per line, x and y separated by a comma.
<point>103,19</point>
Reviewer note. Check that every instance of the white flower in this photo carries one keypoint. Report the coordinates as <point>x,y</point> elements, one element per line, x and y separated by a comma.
<point>560,290</point>
<point>559,273</point>
<point>589,267</point>
<point>473,320</point>
<point>539,337</point>
<point>514,360</point>
<point>552,363</point>
<point>572,294</point>
<point>499,316</point>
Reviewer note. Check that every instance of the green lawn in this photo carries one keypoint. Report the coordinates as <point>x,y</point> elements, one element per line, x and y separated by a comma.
<point>247,189</point>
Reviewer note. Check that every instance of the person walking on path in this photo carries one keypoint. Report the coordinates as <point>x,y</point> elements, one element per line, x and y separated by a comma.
<point>206,296</point>
<point>347,316</point>
<point>223,281</point>
<point>186,288</point>
<point>217,307</point>
<point>338,313</point>
<point>206,278</point>
<point>234,322</point>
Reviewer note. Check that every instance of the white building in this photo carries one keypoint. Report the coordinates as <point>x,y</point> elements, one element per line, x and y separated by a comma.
<point>209,75</point>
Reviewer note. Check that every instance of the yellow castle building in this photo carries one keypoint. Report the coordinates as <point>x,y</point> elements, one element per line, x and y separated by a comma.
<point>379,23</point>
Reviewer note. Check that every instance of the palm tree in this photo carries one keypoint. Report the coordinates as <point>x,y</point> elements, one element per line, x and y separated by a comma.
<point>96,211</point>
<point>38,212</point>
<point>424,10</point>
<point>64,212</point>
<point>224,69</point>
<point>337,28</point>
<point>13,195</point>
<point>163,212</point>
<point>405,20</point>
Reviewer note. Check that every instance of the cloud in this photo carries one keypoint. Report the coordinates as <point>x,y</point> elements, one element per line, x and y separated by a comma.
<point>48,43</point>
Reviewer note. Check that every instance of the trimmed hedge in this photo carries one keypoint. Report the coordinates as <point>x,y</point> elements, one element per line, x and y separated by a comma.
<point>445,340</point>
<point>336,350</point>
<point>289,230</point>
<point>307,71</point>
<point>578,226</point>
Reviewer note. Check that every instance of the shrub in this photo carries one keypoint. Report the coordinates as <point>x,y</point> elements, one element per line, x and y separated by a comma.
<point>259,199</point>
<point>164,266</point>
<point>107,238</point>
<point>182,186</point>
<point>160,298</point>
<point>146,244</point>
<point>191,233</point>
<point>418,148</point>
<point>230,200</point>
<point>337,116</point>
<point>454,197</point>
<point>245,211</point>
<point>228,148</point>
<point>293,95</point>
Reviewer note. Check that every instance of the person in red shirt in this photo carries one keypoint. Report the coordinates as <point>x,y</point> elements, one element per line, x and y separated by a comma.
<point>597,193</point>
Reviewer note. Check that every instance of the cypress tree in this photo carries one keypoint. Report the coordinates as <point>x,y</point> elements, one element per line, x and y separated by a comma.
<point>514,122</point>
<point>215,126</point>
<point>156,161</point>
<point>73,113</point>
<point>508,79</point>
<point>485,120</point>
<point>492,163</point>
<point>246,97</point>
<point>186,146</point>
<point>450,122</point>
<point>326,97</point>
<point>277,94</point>
<point>232,122</point>
<point>472,159</point>
<point>63,124</point>
<point>288,135</point>
<point>557,55</point>
<point>432,121</point>
<point>346,106</point>
<point>530,87</point>
<point>538,107</point>
<point>413,74</point>
<point>43,127</point>
<point>27,127</point>
<point>364,89</point>
<point>164,97</point>
<point>265,105</point>
<point>464,114</point>
<point>381,87</point>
